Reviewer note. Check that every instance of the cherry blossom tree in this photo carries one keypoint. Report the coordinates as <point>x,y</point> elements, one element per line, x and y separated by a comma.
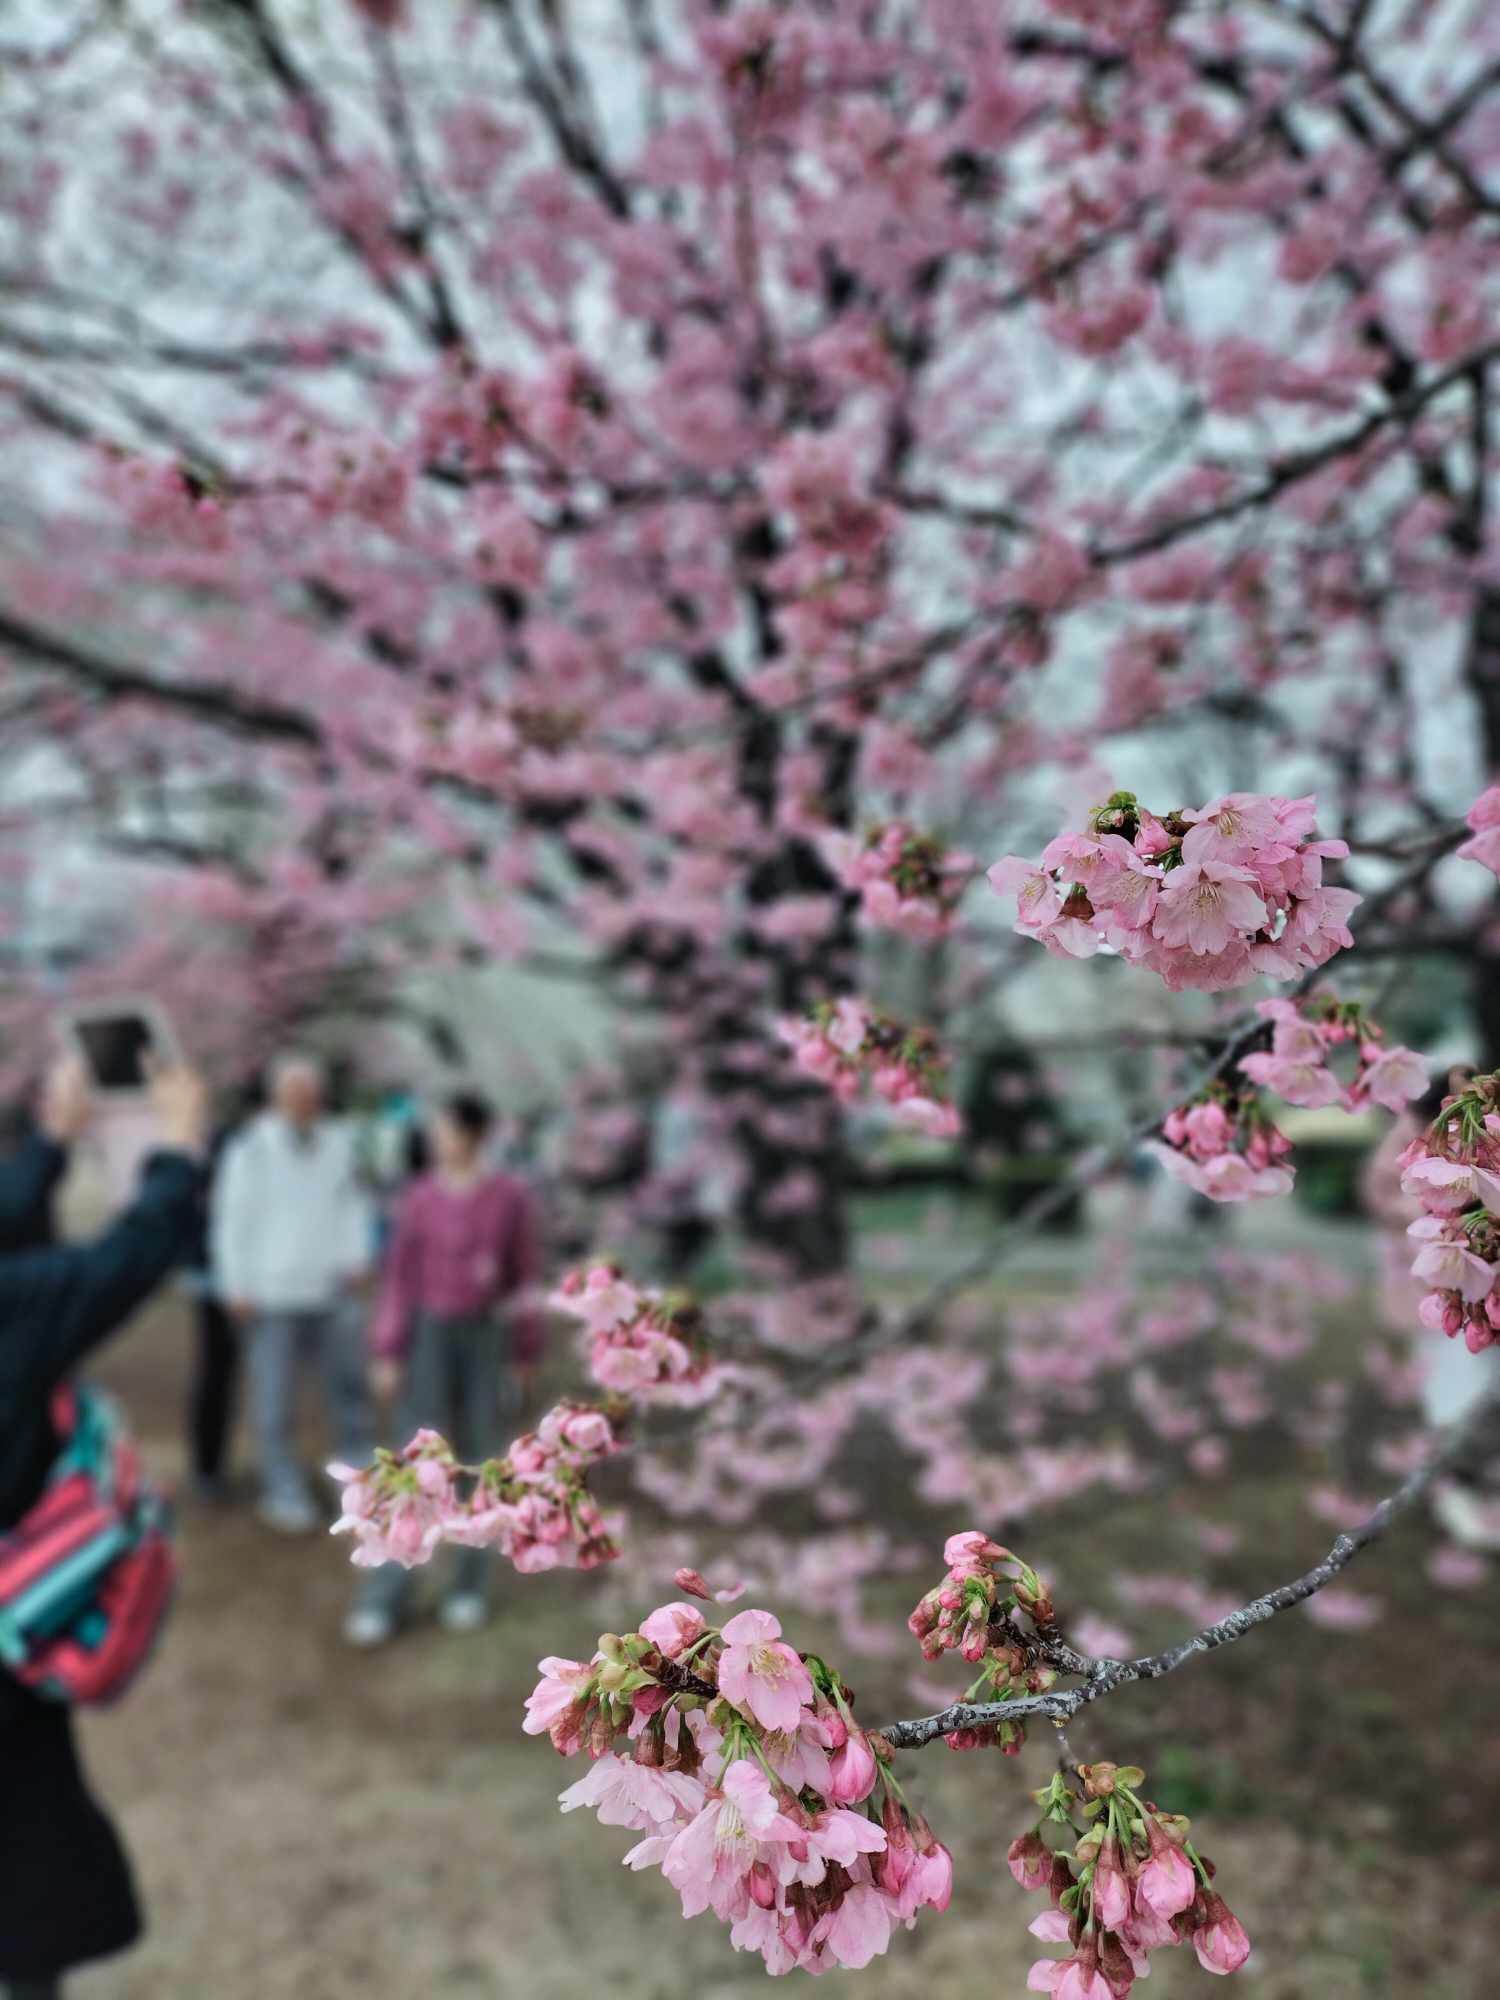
<point>669,493</point>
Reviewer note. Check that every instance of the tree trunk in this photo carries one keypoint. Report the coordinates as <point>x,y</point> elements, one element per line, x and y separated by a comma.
<point>1482,670</point>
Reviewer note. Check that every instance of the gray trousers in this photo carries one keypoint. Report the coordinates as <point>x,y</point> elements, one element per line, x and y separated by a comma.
<point>457,1381</point>
<point>281,1344</point>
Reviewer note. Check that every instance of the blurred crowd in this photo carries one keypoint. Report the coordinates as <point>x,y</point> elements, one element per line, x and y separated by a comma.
<point>383,1254</point>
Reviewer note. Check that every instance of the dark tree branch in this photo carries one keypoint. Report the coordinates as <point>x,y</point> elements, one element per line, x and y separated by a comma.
<point>1105,1677</point>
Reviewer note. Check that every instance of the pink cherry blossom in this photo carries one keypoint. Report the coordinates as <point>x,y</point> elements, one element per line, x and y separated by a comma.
<point>1484,817</point>
<point>673,1628</point>
<point>1449,1266</point>
<point>762,1675</point>
<point>738,1826</point>
<point>1032,886</point>
<point>625,1793</point>
<point>1235,890</point>
<point>1204,905</point>
<point>555,1698</point>
<point>1394,1077</point>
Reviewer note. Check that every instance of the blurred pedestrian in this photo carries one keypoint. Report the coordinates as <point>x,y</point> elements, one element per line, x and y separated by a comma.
<point>216,1336</point>
<point>445,1347</point>
<point>66,1894</point>
<point>292,1238</point>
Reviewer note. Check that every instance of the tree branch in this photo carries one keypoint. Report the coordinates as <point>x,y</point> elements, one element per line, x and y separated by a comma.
<point>1104,1676</point>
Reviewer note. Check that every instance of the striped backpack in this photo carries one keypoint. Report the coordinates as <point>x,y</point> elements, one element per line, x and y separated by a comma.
<point>87,1575</point>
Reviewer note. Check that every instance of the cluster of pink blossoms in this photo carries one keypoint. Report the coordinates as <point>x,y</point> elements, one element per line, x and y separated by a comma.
<point>1225,1146</point>
<point>991,1608</point>
<point>845,1044</point>
<point>1305,1033</point>
<point>907,881</point>
<point>1453,1168</point>
<point>643,1344</point>
<point>1131,1884</point>
<point>533,1505</point>
<point>1483,818</point>
<point>740,1764</point>
<point>1206,899</point>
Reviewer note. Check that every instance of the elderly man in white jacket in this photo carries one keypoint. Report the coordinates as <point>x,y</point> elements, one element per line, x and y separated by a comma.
<point>293,1240</point>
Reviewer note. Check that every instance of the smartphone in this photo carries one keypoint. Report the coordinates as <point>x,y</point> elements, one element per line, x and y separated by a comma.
<point>117,1040</point>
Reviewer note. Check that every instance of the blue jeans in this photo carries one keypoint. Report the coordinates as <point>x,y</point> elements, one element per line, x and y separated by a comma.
<point>281,1344</point>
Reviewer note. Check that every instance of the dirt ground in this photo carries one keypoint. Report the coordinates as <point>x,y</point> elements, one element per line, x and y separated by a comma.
<point>314,1824</point>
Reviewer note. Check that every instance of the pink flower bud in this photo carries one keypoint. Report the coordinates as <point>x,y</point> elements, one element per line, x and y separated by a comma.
<point>835,1731</point>
<point>672,1628</point>
<point>1030,1861</point>
<point>1208,1128</point>
<point>1219,1937</point>
<point>971,1551</point>
<point>690,1581</point>
<point>587,1430</point>
<point>934,1872</point>
<point>899,1858</point>
<point>1166,1884</point>
<point>762,1886</point>
<point>851,1770</point>
<point>1111,1890</point>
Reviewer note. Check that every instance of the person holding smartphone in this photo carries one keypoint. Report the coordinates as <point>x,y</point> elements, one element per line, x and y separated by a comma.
<point>66,1894</point>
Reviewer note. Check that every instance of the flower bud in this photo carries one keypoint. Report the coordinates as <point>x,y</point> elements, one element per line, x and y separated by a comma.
<point>835,1732</point>
<point>851,1770</point>
<point>895,1864</point>
<point>1030,1861</point>
<point>762,1886</point>
<point>1219,1937</point>
<point>1111,1890</point>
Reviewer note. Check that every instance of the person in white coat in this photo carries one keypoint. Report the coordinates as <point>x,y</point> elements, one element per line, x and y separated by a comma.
<point>292,1236</point>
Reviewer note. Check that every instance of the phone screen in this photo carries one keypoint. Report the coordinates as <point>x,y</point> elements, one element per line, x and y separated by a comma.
<point>115,1047</point>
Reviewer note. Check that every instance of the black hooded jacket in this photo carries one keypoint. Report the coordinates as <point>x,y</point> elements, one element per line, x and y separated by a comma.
<point>66,1893</point>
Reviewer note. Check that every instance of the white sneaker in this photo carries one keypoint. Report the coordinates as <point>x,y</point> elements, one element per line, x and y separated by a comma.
<point>1472,1520</point>
<point>287,1514</point>
<point>467,1612</point>
<point>367,1628</point>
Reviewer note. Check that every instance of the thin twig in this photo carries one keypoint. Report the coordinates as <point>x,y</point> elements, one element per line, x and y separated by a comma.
<point>1105,1676</point>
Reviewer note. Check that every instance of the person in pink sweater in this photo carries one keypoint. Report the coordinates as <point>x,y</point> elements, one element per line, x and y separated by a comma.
<point>455,1318</point>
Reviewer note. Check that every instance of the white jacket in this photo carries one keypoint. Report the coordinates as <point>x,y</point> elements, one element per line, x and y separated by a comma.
<point>290,1223</point>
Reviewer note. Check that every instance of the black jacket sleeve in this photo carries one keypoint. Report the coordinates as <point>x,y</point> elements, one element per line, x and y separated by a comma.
<point>28,1177</point>
<point>56,1304</point>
